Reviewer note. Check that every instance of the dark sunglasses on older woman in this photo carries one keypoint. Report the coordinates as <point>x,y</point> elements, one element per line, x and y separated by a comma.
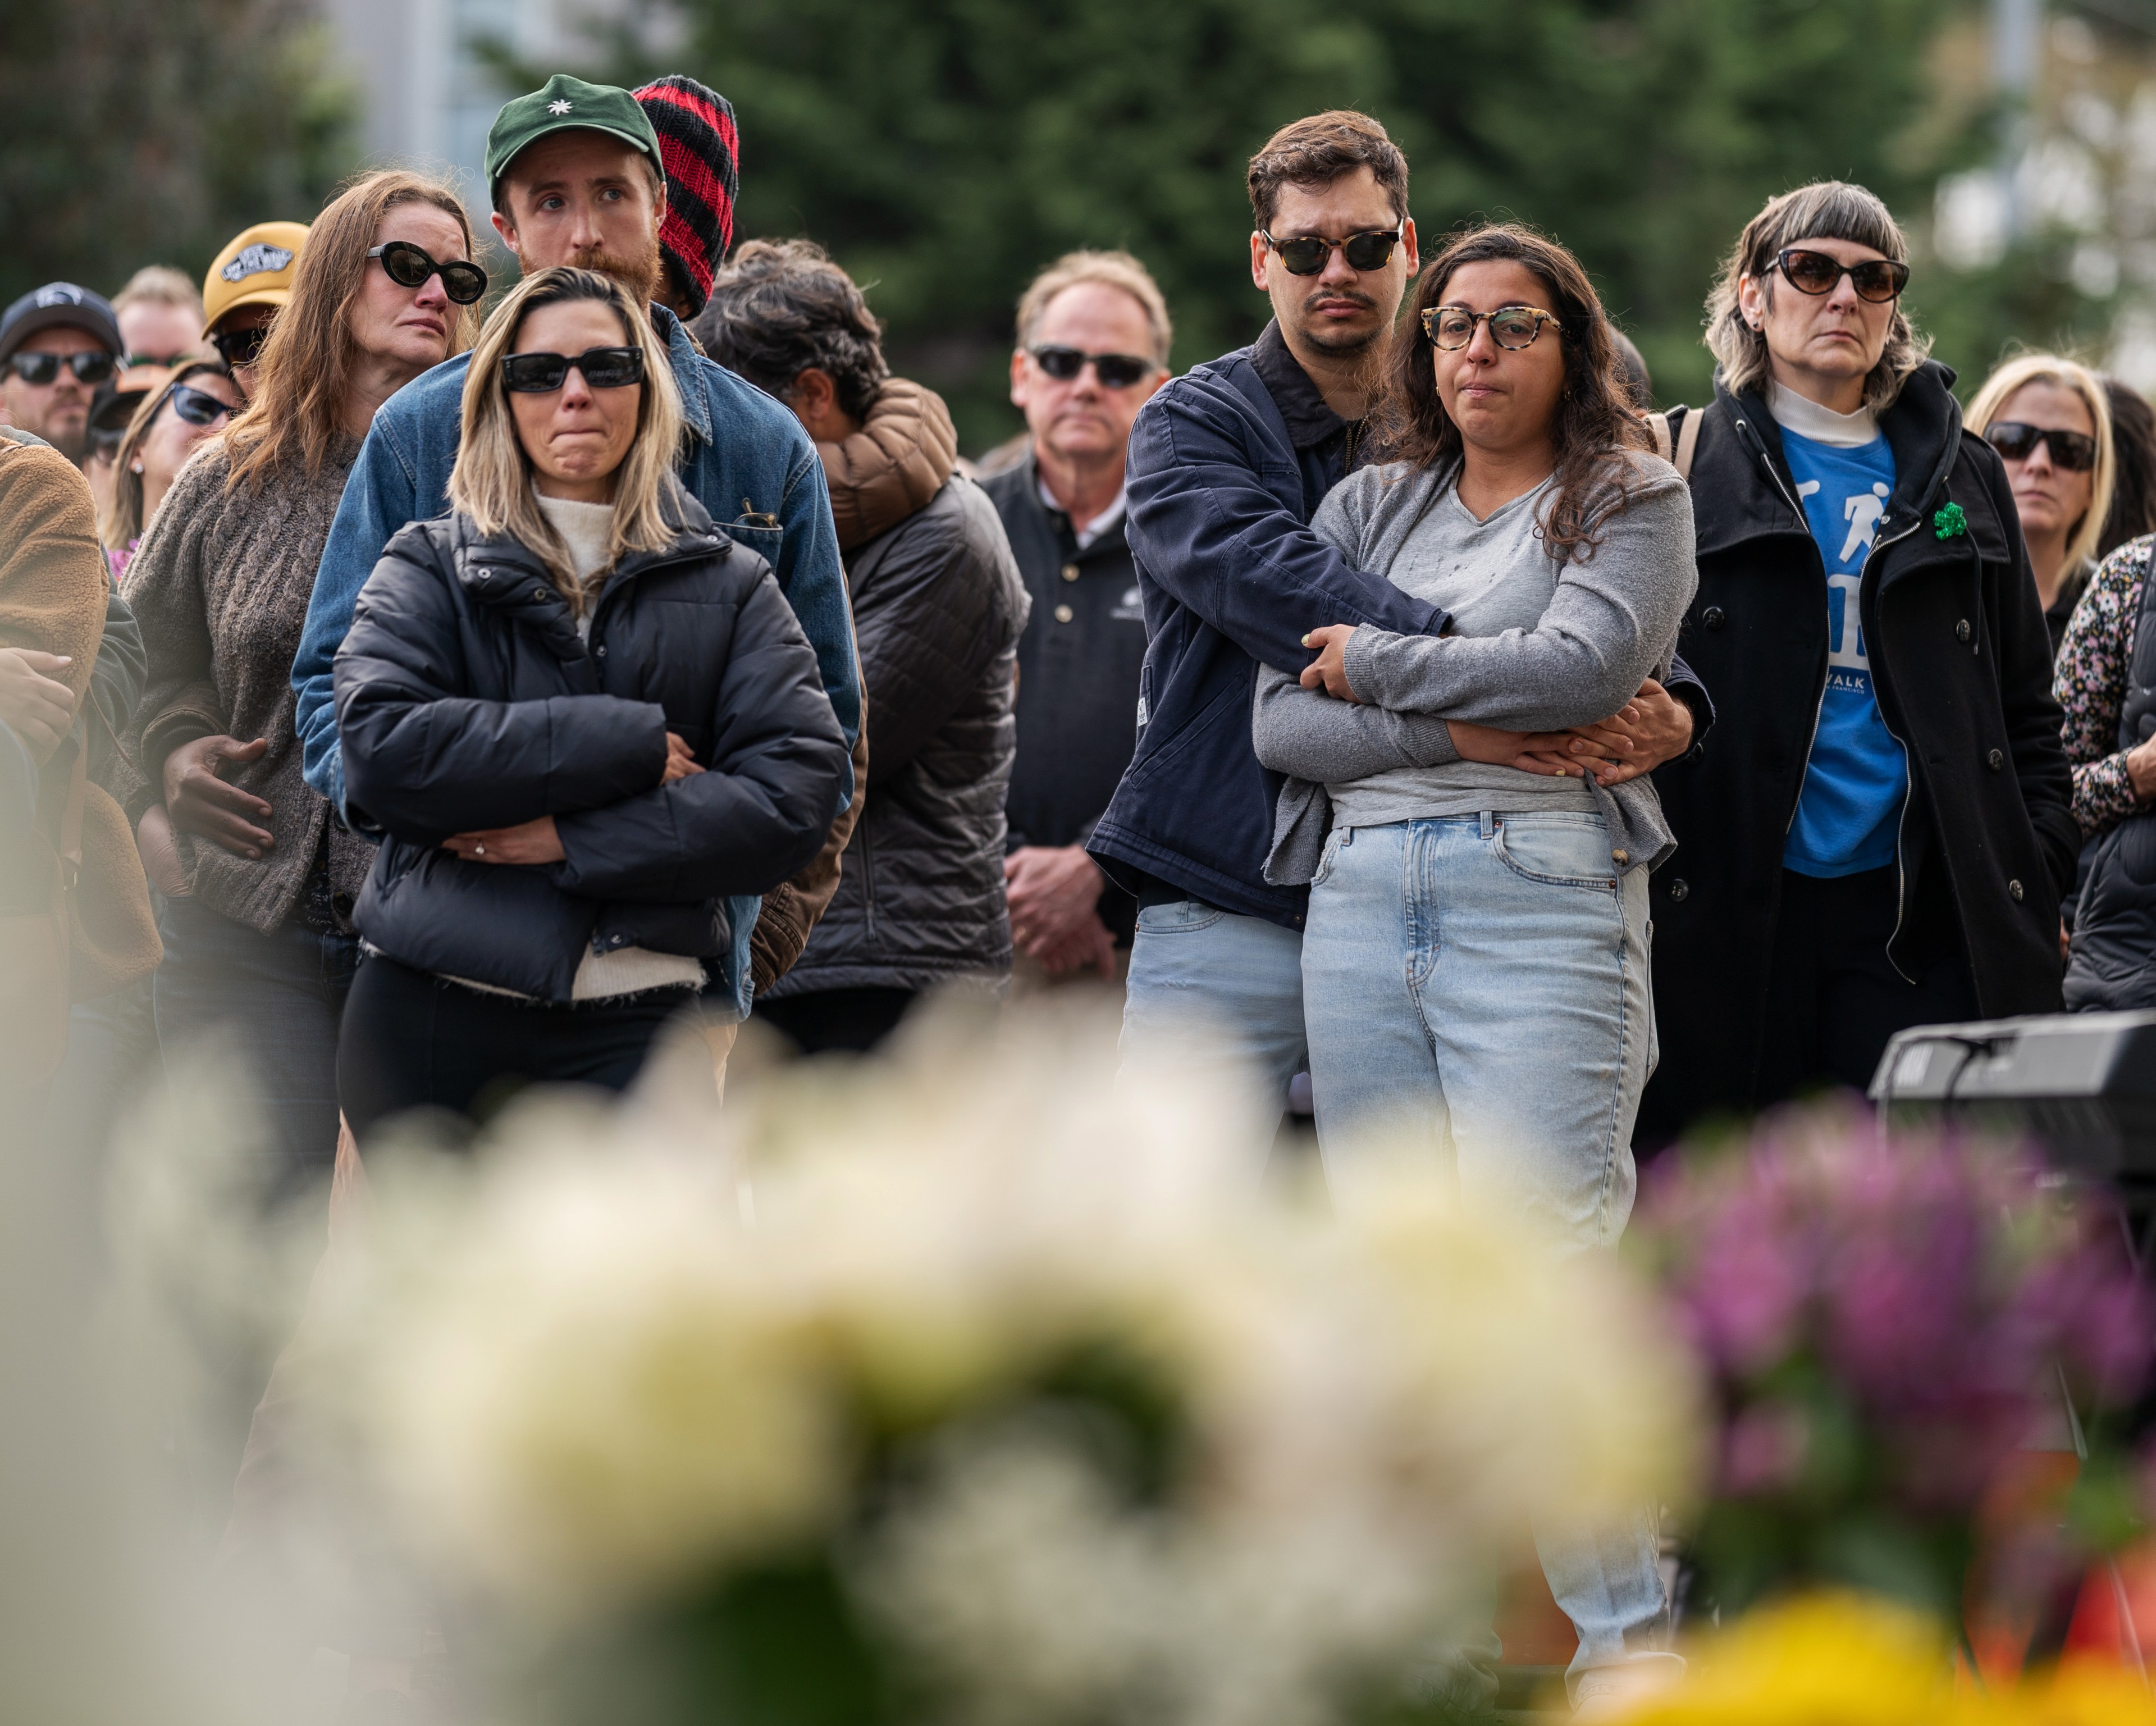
<point>1878,279</point>
<point>43,368</point>
<point>1115,370</point>
<point>409,266</point>
<point>2074,451</point>
<point>536,374</point>
<point>1307,252</point>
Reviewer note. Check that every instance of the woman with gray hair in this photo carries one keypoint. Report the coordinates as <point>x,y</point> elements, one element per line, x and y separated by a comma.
<point>1878,831</point>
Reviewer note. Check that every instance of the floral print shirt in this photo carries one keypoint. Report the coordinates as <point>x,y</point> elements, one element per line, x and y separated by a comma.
<point>2090,683</point>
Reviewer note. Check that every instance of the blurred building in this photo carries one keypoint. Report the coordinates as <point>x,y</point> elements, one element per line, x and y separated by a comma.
<point>425,69</point>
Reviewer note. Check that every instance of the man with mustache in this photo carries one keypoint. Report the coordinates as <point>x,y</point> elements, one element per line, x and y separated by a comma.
<point>577,178</point>
<point>1227,465</point>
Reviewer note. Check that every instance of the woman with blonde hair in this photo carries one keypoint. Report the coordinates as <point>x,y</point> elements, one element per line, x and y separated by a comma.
<point>583,716</point>
<point>261,881</point>
<point>193,405</point>
<point>2049,419</point>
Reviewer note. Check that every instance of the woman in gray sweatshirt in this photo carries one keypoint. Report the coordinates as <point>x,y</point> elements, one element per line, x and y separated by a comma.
<point>1474,962</point>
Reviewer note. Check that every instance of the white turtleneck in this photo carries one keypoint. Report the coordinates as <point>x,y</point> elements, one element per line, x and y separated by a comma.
<point>1807,419</point>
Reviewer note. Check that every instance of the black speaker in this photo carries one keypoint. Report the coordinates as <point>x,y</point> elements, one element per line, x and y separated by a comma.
<point>2083,1085</point>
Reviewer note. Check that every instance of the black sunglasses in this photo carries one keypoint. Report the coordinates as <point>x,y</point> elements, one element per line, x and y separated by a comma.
<point>157,359</point>
<point>43,368</point>
<point>408,267</point>
<point>604,369</point>
<point>199,407</point>
<point>2074,451</point>
<point>1878,279</point>
<point>1305,254</point>
<point>1115,370</point>
<point>240,347</point>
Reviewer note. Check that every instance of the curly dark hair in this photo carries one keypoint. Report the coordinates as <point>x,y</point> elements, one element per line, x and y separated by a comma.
<point>779,307</point>
<point>1596,422</point>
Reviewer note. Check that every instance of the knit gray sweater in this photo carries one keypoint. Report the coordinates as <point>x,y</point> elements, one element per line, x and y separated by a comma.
<point>1573,650</point>
<point>220,586</point>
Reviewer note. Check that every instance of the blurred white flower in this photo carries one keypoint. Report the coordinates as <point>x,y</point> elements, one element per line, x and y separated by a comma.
<point>593,1384</point>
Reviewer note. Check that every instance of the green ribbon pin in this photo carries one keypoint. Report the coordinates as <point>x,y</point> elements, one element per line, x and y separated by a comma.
<point>1950,521</point>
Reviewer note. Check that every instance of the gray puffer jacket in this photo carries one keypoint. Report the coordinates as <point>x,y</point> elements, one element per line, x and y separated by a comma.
<point>938,607</point>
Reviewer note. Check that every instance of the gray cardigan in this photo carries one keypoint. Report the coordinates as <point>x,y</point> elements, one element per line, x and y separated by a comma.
<point>1611,624</point>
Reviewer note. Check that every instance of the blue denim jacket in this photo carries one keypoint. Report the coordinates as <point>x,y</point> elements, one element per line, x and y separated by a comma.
<point>748,462</point>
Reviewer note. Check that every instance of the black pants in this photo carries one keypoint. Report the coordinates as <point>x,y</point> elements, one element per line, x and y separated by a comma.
<point>1834,998</point>
<point>411,1040</point>
<point>854,1019</point>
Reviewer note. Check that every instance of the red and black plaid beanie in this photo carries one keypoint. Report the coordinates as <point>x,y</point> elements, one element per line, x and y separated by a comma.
<point>701,151</point>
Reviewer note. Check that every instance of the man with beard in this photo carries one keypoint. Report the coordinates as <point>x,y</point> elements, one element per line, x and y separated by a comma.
<point>1227,465</point>
<point>57,344</point>
<point>577,178</point>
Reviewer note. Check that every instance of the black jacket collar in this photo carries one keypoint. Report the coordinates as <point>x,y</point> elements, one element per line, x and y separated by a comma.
<point>1058,522</point>
<point>1742,487</point>
<point>1310,421</point>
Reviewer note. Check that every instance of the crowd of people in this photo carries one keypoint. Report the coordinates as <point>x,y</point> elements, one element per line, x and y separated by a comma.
<point>437,703</point>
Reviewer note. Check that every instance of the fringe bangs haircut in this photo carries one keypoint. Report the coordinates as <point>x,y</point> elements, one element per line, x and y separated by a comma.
<point>292,418</point>
<point>492,482</point>
<point>1596,424</point>
<point>2026,369</point>
<point>1826,209</point>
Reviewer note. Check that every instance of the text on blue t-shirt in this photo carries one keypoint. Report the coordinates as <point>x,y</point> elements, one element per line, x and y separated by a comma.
<point>1858,776</point>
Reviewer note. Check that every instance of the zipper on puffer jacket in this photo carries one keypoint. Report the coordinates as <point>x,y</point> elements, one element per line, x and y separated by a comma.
<point>868,881</point>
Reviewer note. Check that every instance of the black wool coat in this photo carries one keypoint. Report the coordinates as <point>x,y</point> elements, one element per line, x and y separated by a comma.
<point>466,701</point>
<point>1961,667</point>
<point>938,607</point>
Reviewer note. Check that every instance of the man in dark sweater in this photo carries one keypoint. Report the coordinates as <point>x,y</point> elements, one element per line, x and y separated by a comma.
<point>1227,464</point>
<point>1093,337</point>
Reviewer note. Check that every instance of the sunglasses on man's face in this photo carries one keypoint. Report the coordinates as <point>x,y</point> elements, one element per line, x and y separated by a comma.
<point>2074,451</point>
<point>240,347</point>
<point>409,266</point>
<point>1115,370</point>
<point>1878,279</point>
<point>44,368</point>
<point>1306,254</point>
<point>536,374</point>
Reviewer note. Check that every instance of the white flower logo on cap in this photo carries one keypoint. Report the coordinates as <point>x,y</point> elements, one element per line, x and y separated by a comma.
<point>560,105</point>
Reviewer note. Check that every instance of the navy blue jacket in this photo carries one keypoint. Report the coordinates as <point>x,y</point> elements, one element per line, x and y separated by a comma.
<point>1227,463</point>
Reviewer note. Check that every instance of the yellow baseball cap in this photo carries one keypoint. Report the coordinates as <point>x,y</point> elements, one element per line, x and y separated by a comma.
<point>256,269</point>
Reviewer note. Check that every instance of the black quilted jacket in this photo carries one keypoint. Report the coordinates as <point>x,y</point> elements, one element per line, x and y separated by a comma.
<point>938,608</point>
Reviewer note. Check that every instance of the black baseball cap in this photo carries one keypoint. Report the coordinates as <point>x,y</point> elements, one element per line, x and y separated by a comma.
<point>60,304</point>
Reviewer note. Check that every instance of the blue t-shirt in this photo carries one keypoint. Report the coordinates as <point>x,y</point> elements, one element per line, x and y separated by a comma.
<point>1849,809</point>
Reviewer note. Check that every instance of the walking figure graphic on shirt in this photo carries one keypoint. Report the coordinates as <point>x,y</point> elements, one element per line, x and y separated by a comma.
<point>1862,512</point>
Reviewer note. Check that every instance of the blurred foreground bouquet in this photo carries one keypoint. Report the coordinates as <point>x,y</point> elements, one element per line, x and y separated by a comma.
<point>1849,1660</point>
<point>1885,1319</point>
<point>973,1384</point>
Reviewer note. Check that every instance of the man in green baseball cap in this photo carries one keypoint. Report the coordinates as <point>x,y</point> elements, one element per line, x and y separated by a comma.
<point>576,178</point>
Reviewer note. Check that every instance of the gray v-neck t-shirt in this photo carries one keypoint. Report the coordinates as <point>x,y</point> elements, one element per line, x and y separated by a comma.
<point>1493,575</point>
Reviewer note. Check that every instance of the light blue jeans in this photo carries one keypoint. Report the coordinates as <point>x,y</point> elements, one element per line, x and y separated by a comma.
<point>1212,986</point>
<point>1476,991</point>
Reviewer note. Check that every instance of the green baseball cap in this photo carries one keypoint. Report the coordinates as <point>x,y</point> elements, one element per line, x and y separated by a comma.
<point>567,103</point>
